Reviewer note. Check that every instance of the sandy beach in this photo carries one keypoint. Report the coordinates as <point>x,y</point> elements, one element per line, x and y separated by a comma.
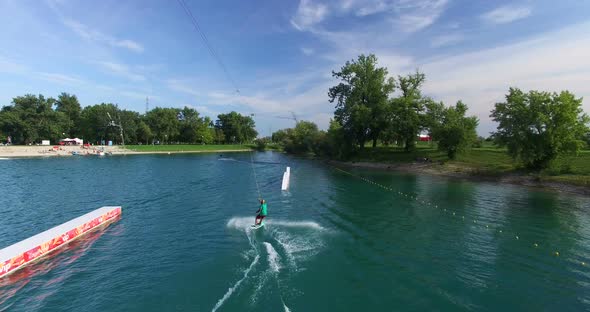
<point>42,151</point>
<point>18,151</point>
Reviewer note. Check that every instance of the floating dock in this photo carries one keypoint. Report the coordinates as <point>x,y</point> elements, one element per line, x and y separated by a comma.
<point>24,252</point>
<point>286,177</point>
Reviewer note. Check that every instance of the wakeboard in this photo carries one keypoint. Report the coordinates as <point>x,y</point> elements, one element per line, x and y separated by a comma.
<point>255,227</point>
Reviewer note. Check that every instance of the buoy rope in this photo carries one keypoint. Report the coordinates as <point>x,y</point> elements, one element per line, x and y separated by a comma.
<point>535,245</point>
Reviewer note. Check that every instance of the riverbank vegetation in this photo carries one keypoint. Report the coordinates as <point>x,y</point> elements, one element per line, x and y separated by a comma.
<point>189,148</point>
<point>379,118</point>
<point>31,119</point>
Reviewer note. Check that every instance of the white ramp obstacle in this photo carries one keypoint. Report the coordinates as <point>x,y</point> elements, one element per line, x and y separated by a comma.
<point>24,252</point>
<point>286,177</point>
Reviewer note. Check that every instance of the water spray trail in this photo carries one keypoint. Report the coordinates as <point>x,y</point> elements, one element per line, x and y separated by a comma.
<point>230,291</point>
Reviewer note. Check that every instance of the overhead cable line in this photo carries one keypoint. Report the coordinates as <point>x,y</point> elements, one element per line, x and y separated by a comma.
<point>208,45</point>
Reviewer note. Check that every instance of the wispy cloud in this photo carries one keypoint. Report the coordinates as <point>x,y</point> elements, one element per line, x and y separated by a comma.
<point>507,14</point>
<point>410,15</point>
<point>419,14</point>
<point>59,78</point>
<point>308,14</point>
<point>447,39</point>
<point>89,34</point>
<point>183,86</point>
<point>551,62</point>
<point>307,51</point>
<point>120,70</point>
<point>8,65</point>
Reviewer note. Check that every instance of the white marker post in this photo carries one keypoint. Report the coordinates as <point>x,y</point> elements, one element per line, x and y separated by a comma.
<point>286,177</point>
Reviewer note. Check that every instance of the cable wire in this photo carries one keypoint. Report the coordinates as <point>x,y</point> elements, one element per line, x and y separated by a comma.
<point>208,44</point>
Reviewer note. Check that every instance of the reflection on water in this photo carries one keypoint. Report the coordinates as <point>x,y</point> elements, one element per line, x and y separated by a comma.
<point>333,242</point>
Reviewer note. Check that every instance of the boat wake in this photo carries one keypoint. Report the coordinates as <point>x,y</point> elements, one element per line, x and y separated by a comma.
<point>286,248</point>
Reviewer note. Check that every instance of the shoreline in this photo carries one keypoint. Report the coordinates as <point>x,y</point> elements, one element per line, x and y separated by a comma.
<point>14,152</point>
<point>438,170</point>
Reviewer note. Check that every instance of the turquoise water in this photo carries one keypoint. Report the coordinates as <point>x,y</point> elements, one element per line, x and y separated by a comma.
<point>334,242</point>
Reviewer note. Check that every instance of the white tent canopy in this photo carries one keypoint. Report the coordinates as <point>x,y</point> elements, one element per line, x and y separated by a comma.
<point>75,141</point>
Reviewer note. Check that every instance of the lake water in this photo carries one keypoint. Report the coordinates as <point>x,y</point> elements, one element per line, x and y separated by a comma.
<point>334,242</point>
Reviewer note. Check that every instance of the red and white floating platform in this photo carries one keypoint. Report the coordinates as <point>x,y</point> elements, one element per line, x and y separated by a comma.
<point>24,252</point>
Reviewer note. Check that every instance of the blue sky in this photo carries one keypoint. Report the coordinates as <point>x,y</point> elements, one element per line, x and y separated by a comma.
<point>281,53</point>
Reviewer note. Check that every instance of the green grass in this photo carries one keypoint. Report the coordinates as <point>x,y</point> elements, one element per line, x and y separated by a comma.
<point>486,160</point>
<point>187,148</point>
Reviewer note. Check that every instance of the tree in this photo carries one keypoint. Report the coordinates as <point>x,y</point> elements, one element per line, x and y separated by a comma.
<point>129,121</point>
<point>452,130</point>
<point>188,125</point>
<point>164,123</point>
<point>31,119</point>
<point>361,98</point>
<point>537,127</point>
<point>282,136</point>
<point>195,129</point>
<point>69,105</point>
<point>303,138</point>
<point>144,133</point>
<point>206,131</point>
<point>95,123</point>
<point>407,109</point>
<point>236,128</point>
<point>336,145</point>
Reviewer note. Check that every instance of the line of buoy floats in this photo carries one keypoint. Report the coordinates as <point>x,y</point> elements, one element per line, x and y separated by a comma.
<point>427,203</point>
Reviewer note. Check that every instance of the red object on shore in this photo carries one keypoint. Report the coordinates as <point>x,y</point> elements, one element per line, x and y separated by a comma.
<point>16,256</point>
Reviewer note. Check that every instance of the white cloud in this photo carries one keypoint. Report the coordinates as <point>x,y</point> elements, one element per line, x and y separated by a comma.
<point>447,39</point>
<point>307,51</point>
<point>552,62</point>
<point>418,14</point>
<point>96,36</point>
<point>120,70</point>
<point>308,14</point>
<point>138,95</point>
<point>411,15</point>
<point>183,86</point>
<point>507,14</point>
<point>59,78</point>
<point>8,65</point>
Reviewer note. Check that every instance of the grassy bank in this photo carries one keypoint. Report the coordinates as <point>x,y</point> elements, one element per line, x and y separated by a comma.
<point>484,161</point>
<point>187,148</point>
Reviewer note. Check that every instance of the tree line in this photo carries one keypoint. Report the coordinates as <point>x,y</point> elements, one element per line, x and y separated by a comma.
<point>30,119</point>
<point>371,107</point>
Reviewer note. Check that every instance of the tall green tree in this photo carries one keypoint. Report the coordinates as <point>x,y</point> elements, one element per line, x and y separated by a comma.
<point>407,110</point>
<point>164,123</point>
<point>236,127</point>
<point>537,127</point>
<point>304,138</point>
<point>130,121</point>
<point>95,123</point>
<point>194,128</point>
<point>205,131</point>
<point>453,131</point>
<point>69,105</point>
<point>31,119</point>
<point>361,99</point>
<point>144,133</point>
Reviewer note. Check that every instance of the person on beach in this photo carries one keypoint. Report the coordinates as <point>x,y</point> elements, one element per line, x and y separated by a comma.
<point>261,213</point>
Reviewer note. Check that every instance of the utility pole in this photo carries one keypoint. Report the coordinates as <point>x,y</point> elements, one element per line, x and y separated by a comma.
<point>147,105</point>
